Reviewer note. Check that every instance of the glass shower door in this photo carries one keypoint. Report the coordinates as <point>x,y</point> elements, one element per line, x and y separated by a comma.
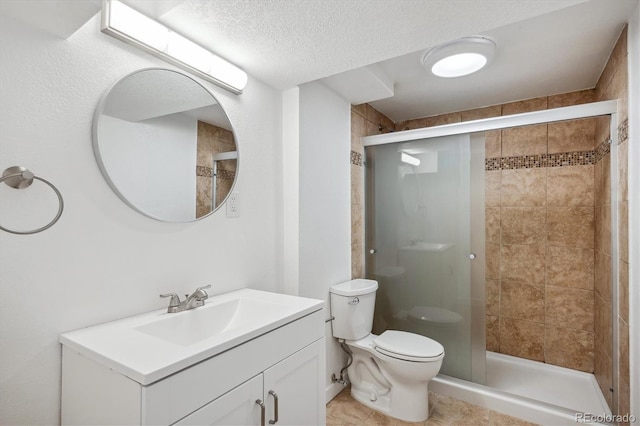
<point>425,244</point>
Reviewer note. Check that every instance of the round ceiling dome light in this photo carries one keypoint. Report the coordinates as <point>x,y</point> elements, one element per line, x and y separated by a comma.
<point>459,57</point>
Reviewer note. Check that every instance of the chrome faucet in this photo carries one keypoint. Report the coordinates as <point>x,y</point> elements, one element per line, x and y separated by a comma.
<point>194,300</point>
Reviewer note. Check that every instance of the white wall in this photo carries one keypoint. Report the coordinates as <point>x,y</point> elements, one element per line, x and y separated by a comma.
<point>153,163</point>
<point>324,202</point>
<point>103,260</point>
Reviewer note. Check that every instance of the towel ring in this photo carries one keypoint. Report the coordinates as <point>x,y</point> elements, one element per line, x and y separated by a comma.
<point>20,178</point>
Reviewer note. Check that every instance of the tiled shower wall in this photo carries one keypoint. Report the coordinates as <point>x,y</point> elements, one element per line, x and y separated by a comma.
<point>613,84</point>
<point>546,218</point>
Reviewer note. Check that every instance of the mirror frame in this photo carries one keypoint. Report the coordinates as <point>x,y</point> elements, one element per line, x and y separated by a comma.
<point>96,145</point>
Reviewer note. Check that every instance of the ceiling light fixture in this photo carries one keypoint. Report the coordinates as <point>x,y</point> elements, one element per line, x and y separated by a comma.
<point>459,57</point>
<point>128,25</point>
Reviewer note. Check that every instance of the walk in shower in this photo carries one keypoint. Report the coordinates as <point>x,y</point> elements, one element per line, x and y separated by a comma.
<point>494,256</point>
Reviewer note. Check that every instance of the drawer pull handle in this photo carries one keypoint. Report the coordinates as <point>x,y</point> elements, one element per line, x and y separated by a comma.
<point>261,404</point>
<point>275,408</point>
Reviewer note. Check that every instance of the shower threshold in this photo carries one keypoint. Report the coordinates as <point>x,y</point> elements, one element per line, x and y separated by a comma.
<point>534,391</point>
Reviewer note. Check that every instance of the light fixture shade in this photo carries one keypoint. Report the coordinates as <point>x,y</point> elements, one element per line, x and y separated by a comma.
<point>459,57</point>
<point>128,25</point>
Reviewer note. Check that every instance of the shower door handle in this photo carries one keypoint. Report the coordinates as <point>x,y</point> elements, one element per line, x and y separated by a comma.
<point>472,256</point>
<point>373,251</point>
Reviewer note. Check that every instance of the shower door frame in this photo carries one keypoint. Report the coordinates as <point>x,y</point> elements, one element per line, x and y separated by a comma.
<point>593,109</point>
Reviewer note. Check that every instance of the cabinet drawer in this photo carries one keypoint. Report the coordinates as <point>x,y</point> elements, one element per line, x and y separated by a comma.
<point>170,399</point>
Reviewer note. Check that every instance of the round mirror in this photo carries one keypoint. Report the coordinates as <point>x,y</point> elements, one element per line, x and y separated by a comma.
<point>165,145</point>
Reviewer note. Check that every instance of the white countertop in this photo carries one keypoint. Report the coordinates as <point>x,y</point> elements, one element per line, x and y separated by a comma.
<point>122,345</point>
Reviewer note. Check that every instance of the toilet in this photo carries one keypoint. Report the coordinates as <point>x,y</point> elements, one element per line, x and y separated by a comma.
<point>389,372</point>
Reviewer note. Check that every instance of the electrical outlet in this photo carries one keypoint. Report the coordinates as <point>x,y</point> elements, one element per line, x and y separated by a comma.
<point>233,205</point>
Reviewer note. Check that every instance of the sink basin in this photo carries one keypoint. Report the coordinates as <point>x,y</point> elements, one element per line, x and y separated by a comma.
<point>192,326</point>
<point>151,346</point>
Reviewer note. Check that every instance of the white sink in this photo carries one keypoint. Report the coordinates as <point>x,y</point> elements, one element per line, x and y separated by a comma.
<point>151,346</point>
<point>210,320</point>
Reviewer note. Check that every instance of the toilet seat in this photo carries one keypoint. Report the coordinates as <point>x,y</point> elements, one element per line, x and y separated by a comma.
<point>408,346</point>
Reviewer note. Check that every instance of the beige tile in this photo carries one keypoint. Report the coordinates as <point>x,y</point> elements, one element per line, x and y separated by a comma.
<point>570,226</point>
<point>439,120</point>
<point>569,308</point>
<point>379,419</point>
<point>492,143</point>
<point>571,98</point>
<point>357,184</point>
<point>492,326</point>
<point>623,292</point>
<point>570,186</point>
<point>523,225</point>
<point>357,261</point>
<point>602,181</point>
<point>525,140</point>
<point>617,60</point>
<point>492,290</point>
<point>360,109</point>
<point>479,113</point>
<point>603,328</point>
<point>378,118</point>
<point>492,188</point>
<point>499,419</point>
<point>570,267</point>
<point>623,171</point>
<point>523,264</point>
<point>492,224</point>
<point>603,228</point>
<point>357,224</point>
<point>358,130</point>
<point>623,230</point>
<point>569,348</point>
<point>603,129</point>
<point>521,301</point>
<point>624,378</point>
<point>492,255</point>
<point>602,278</point>
<point>343,409</point>
<point>374,129</point>
<point>523,187</point>
<point>417,123</point>
<point>528,105</point>
<point>523,339</point>
<point>452,411</point>
<point>572,135</point>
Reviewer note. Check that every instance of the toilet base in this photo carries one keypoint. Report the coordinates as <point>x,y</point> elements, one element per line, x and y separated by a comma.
<point>397,406</point>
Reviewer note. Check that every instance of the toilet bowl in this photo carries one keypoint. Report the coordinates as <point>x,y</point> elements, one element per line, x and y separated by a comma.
<point>390,372</point>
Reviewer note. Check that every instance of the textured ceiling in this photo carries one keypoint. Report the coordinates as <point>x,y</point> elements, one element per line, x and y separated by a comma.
<point>289,42</point>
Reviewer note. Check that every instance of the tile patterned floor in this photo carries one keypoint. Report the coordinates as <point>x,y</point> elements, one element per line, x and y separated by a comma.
<point>343,410</point>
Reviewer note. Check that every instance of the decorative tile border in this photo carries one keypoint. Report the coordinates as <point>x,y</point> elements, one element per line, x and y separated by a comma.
<point>577,158</point>
<point>356,158</point>
<point>602,150</point>
<point>207,172</point>
<point>623,131</point>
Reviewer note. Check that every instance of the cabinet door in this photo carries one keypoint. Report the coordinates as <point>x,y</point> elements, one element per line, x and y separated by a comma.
<point>236,407</point>
<point>298,382</point>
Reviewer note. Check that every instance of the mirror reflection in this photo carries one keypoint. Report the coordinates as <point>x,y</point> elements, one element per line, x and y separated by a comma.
<point>165,145</point>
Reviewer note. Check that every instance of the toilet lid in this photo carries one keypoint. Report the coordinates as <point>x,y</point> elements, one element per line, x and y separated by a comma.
<point>409,346</point>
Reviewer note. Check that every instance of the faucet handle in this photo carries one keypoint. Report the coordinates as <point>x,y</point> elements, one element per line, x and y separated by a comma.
<point>201,290</point>
<point>175,299</point>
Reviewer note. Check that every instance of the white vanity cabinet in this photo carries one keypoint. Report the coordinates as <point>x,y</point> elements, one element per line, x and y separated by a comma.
<point>281,367</point>
<point>293,381</point>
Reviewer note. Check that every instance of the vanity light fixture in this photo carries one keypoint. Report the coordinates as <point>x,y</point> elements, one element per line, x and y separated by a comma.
<point>459,57</point>
<point>409,159</point>
<point>128,25</point>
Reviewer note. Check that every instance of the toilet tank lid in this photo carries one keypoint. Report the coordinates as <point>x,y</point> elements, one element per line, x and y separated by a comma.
<point>356,287</point>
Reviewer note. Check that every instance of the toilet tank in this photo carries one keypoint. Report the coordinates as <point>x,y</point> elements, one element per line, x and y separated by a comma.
<point>352,305</point>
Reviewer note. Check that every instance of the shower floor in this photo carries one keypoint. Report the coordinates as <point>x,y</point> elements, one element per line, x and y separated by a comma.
<point>567,388</point>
